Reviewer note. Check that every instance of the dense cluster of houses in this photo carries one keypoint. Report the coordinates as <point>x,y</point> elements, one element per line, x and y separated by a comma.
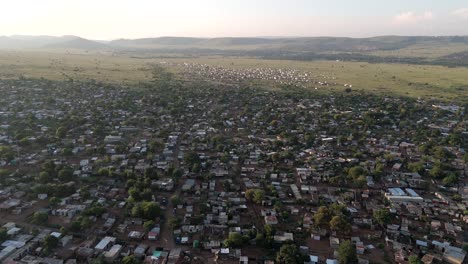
<point>223,161</point>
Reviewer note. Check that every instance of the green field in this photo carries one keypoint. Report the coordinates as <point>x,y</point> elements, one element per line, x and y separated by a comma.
<point>389,79</point>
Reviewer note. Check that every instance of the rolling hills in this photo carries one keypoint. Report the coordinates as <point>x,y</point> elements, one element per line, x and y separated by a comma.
<point>446,50</point>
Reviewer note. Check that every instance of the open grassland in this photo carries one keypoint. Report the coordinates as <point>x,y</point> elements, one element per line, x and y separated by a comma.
<point>427,50</point>
<point>76,65</point>
<point>388,79</point>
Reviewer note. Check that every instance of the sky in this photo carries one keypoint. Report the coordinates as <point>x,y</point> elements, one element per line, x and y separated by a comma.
<point>112,19</point>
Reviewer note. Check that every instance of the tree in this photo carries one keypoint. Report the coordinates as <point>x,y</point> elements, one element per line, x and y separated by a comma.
<point>50,242</point>
<point>104,172</point>
<point>148,225</point>
<point>249,194</point>
<point>191,158</point>
<point>65,174</point>
<point>150,210</point>
<point>436,171</point>
<point>450,180</point>
<point>175,200</point>
<point>44,177</point>
<point>289,254</point>
<point>440,152</point>
<point>130,260</point>
<point>340,225</point>
<point>414,260</point>
<point>3,234</point>
<point>234,240</point>
<point>39,218</point>
<point>322,217</point>
<point>6,153</point>
<point>258,196</point>
<point>61,132</point>
<point>54,201</point>
<point>355,172</point>
<point>347,253</point>
<point>382,216</point>
<point>174,222</point>
<point>416,167</point>
<point>196,168</point>
<point>137,210</point>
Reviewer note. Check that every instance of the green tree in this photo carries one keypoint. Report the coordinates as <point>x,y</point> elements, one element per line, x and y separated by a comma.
<point>234,240</point>
<point>104,172</point>
<point>289,254</point>
<point>174,222</point>
<point>249,194</point>
<point>339,224</point>
<point>39,218</point>
<point>148,225</point>
<point>150,210</point>
<point>65,174</point>
<point>382,216</point>
<point>416,167</point>
<point>6,153</point>
<point>414,260</point>
<point>44,177</point>
<point>258,196</point>
<point>61,132</point>
<point>50,243</point>
<point>347,253</point>
<point>54,201</point>
<point>175,200</point>
<point>3,234</point>
<point>322,217</point>
<point>355,172</point>
<point>191,158</point>
<point>436,171</point>
<point>450,180</point>
<point>131,260</point>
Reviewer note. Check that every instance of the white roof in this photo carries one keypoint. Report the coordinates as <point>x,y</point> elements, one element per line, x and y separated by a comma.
<point>104,242</point>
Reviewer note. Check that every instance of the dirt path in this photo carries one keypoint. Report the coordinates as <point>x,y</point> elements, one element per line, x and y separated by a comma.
<point>166,237</point>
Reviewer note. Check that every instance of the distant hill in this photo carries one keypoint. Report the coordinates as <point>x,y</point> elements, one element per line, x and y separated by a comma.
<point>29,42</point>
<point>76,43</point>
<point>308,44</point>
<point>446,50</point>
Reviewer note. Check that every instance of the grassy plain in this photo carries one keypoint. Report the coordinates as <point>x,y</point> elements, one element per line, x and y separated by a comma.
<point>386,79</point>
<point>427,50</point>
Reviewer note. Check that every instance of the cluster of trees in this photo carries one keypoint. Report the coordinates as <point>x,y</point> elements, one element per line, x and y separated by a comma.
<point>55,190</point>
<point>347,253</point>
<point>6,153</point>
<point>255,195</point>
<point>39,218</point>
<point>146,210</point>
<point>3,234</point>
<point>334,217</point>
<point>192,160</point>
<point>235,240</point>
<point>80,224</point>
<point>49,172</point>
<point>289,253</point>
<point>382,216</point>
<point>50,243</point>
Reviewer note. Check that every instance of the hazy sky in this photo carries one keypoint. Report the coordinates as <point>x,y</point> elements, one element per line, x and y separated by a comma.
<point>110,19</point>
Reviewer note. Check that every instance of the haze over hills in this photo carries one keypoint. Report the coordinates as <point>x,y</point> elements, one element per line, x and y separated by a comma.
<point>446,50</point>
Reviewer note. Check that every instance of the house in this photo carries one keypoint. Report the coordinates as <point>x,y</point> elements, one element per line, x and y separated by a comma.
<point>114,252</point>
<point>271,220</point>
<point>166,184</point>
<point>153,234</point>
<point>105,243</point>
<point>282,237</point>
